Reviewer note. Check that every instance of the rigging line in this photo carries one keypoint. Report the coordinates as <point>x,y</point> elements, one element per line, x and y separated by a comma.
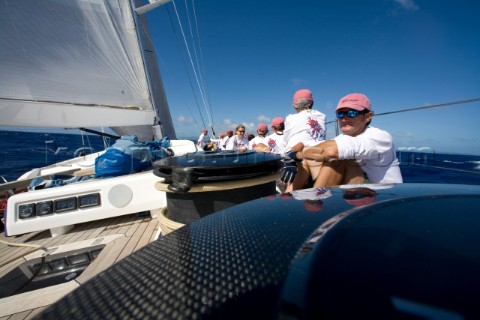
<point>184,65</point>
<point>446,104</point>
<point>197,64</point>
<point>191,61</point>
<point>203,61</point>
<point>170,73</point>
<point>202,80</point>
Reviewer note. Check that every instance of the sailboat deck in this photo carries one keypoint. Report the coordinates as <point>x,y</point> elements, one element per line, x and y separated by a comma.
<point>121,235</point>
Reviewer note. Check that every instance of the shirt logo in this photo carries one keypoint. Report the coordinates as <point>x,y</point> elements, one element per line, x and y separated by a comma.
<point>316,131</point>
<point>272,144</point>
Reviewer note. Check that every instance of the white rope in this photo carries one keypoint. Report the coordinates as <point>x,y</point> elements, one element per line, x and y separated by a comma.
<point>191,62</point>
<point>34,247</point>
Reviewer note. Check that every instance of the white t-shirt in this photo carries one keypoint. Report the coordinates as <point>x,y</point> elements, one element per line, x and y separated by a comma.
<point>224,142</point>
<point>375,153</point>
<point>203,140</point>
<point>275,143</point>
<point>235,143</point>
<point>253,143</point>
<point>307,126</point>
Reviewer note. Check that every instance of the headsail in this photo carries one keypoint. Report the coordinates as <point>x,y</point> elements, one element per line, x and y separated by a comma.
<point>75,63</point>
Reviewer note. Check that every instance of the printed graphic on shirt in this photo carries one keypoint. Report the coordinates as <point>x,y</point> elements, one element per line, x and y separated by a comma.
<point>272,144</point>
<point>316,131</point>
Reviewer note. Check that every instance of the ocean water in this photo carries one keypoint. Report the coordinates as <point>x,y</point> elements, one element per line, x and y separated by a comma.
<point>22,151</point>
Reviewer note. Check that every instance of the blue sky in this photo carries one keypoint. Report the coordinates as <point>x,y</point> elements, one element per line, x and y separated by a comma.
<point>256,54</point>
<point>400,53</point>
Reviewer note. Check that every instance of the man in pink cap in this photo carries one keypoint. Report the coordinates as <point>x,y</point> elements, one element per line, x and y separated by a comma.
<point>359,152</point>
<point>224,141</point>
<point>274,142</point>
<point>203,139</point>
<point>305,128</point>
<point>262,131</point>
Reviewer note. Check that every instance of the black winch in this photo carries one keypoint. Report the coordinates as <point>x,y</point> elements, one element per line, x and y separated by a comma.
<point>200,183</point>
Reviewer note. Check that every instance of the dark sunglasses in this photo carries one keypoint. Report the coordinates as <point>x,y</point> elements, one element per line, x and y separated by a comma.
<point>240,131</point>
<point>350,113</point>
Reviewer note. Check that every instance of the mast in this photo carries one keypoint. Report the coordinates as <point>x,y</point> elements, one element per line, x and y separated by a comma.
<point>157,91</point>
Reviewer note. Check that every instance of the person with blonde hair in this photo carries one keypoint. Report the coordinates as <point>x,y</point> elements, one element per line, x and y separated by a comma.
<point>239,141</point>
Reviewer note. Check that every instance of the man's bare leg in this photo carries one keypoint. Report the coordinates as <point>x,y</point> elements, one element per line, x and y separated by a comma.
<point>353,173</point>
<point>334,173</point>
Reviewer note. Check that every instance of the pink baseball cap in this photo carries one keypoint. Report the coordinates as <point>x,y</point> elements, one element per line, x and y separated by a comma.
<point>205,130</point>
<point>229,131</point>
<point>356,101</point>
<point>302,95</point>
<point>277,122</point>
<point>262,127</point>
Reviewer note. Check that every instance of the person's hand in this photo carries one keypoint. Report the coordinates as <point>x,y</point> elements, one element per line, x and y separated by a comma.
<point>288,173</point>
<point>290,158</point>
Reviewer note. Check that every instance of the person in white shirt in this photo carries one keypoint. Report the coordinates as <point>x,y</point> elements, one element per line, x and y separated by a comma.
<point>306,128</point>
<point>224,142</point>
<point>262,130</point>
<point>239,141</point>
<point>203,139</point>
<point>359,152</point>
<point>274,142</point>
<point>221,137</point>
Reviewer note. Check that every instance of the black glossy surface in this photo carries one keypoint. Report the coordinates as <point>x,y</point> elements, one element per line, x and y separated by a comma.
<point>220,165</point>
<point>411,246</point>
<point>52,270</point>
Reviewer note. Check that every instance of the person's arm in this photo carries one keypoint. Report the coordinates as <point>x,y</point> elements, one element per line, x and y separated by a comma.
<point>261,147</point>
<point>325,151</point>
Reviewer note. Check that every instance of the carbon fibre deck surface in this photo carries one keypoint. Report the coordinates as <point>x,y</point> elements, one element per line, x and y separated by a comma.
<point>259,260</point>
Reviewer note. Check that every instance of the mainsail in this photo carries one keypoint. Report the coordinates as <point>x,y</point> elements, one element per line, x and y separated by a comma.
<point>77,63</point>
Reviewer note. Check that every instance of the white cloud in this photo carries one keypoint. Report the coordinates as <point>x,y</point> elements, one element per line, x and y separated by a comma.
<point>407,4</point>
<point>263,118</point>
<point>185,120</point>
<point>227,121</point>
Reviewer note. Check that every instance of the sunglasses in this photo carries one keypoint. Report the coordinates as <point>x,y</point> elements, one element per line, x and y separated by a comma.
<point>350,113</point>
<point>240,131</point>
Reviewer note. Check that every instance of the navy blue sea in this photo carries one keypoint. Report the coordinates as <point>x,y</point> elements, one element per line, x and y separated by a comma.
<point>22,151</point>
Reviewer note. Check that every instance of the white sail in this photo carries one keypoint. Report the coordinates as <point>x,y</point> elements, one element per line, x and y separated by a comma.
<point>75,63</point>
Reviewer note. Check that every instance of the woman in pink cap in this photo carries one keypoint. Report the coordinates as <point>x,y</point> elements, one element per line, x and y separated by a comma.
<point>362,151</point>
